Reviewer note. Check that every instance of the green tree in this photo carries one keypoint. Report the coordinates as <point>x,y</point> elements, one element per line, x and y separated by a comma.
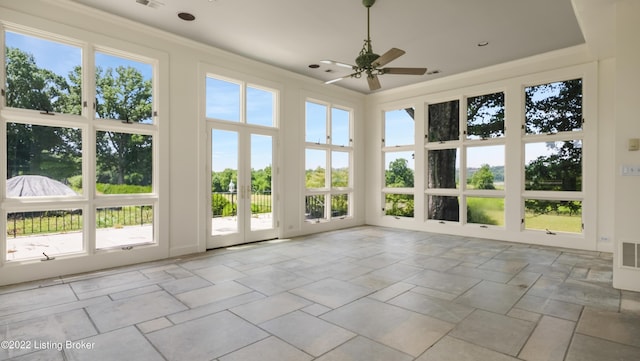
<point>483,178</point>
<point>123,94</point>
<point>31,87</point>
<point>443,125</point>
<point>261,180</point>
<point>485,115</point>
<point>399,175</point>
<point>551,108</point>
<point>315,178</point>
<point>32,149</point>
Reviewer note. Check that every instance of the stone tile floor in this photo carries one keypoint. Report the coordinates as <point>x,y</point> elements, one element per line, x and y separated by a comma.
<point>365,293</point>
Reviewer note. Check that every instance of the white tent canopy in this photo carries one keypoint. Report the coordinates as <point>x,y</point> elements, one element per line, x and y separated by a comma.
<point>36,186</point>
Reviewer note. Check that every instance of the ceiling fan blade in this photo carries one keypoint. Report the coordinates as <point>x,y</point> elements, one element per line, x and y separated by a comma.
<point>389,56</point>
<point>337,63</point>
<point>374,82</point>
<point>407,71</point>
<point>340,78</point>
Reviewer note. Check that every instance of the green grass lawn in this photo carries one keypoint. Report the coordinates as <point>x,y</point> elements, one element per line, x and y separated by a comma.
<point>554,222</point>
<point>488,211</point>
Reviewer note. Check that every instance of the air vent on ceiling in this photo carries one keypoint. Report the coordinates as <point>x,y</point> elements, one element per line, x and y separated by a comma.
<point>630,254</point>
<point>150,3</point>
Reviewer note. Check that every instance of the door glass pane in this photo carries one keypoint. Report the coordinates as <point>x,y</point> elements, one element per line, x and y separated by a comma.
<point>340,129</point>
<point>399,127</point>
<point>124,89</point>
<point>554,107</point>
<point>43,75</point>
<point>316,165</point>
<point>123,163</point>
<point>260,190</point>
<point>444,121</point>
<point>224,182</point>
<point>553,166</point>
<point>340,169</point>
<point>485,210</point>
<point>443,168</point>
<point>553,215</point>
<point>124,226</point>
<point>54,232</point>
<point>260,107</point>
<point>316,123</point>
<point>399,169</point>
<point>485,167</point>
<point>485,116</point>
<point>223,100</point>
<point>43,161</point>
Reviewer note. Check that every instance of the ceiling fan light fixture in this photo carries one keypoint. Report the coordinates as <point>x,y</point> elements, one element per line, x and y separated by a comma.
<point>483,43</point>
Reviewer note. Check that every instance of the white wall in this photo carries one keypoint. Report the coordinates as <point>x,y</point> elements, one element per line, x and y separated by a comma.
<point>626,210</point>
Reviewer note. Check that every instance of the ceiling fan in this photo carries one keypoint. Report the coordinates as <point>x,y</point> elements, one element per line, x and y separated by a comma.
<point>371,63</point>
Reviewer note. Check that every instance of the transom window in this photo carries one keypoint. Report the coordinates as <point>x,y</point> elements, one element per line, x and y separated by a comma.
<point>236,101</point>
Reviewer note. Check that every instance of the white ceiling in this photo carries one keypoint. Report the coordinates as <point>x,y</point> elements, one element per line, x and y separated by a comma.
<point>437,34</point>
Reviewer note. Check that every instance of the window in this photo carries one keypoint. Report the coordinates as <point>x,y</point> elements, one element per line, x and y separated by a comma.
<point>443,161</point>
<point>485,116</point>
<point>399,163</point>
<point>124,89</point>
<point>223,99</point>
<point>444,121</point>
<point>42,74</point>
<point>553,153</point>
<point>124,163</point>
<point>465,175</point>
<point>328,162</point>
<point>236,101</point>
<point>43,160</point>
<point>51,137</point>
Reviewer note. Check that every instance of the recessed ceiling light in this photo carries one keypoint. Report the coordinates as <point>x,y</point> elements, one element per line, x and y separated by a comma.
<point>314,66</point>
<point>483,43</point>
<point>186,16</point>
<point>432,72</point>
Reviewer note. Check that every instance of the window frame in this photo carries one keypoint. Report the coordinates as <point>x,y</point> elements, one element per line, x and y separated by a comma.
<point>329,191</point>
<point>88,124</point>
<point>571,135</point>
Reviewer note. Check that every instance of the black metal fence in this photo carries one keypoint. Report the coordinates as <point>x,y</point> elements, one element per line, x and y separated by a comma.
<point>60,221</point>
<point>225,204</point>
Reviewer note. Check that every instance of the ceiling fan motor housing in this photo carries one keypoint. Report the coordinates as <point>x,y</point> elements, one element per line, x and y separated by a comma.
<point>364,60</point>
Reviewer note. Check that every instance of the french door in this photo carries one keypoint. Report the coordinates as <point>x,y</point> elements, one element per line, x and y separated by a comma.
<point>242,202</point>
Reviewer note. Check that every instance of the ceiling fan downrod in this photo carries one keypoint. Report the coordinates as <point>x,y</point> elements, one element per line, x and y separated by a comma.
<point>367,56</point>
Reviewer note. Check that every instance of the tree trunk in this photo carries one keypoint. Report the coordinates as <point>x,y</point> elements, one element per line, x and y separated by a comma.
<point>444,125</point>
